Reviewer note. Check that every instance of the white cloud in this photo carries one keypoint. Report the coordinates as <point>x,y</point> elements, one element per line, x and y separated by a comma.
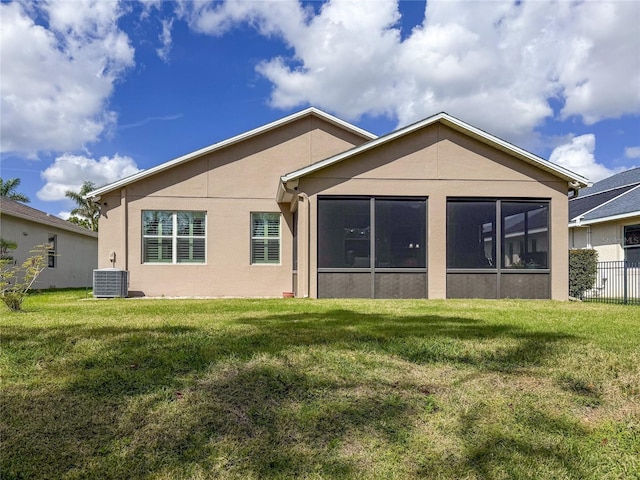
<point>632,152</point>
<point>493,64</point>
<point>68,172</point>
<point>58,77</point>
<point>166,39</point>
<point>578,156</point>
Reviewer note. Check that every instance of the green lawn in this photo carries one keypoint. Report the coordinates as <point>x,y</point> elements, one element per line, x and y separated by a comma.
<point>290,388</point>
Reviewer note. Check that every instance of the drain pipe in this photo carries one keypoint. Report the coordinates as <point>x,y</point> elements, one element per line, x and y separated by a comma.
<point>304,219</point>
<point>306,284</point>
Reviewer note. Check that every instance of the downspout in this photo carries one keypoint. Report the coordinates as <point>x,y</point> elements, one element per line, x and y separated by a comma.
<point>304,273</point>
<point>574,187</point>
<point>307,273</point>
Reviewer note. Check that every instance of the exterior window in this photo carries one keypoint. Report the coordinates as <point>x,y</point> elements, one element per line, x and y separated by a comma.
<point>400,233</point>
<point>344,227</point>
<point>632,243</point>
<point>471,234</point>
<point>265,238</point>
<point>346,236</point>
<point>173,237</point>
<point>525,234</point>
<point>473,242</point>
<point>52,243</point>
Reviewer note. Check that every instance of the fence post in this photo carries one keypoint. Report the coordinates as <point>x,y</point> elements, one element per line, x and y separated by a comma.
<point>625,272</point>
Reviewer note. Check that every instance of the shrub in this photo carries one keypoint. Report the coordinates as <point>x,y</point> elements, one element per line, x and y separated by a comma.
<point>583,267</point>
<point>16,280</point>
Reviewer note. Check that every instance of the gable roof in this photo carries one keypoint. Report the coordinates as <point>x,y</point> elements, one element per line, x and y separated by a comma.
<point>613,198</point>
<point>575,180</point>
<point>19,210</point>
<point>225,143</point>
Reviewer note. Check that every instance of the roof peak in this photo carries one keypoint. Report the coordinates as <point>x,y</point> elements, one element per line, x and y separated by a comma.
<point>230,141</point>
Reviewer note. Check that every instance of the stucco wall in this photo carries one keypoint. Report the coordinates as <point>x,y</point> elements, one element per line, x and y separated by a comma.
<point>438,162</point>
<point>228,185</point>
<point>606,238</point>
<point>76,253</point>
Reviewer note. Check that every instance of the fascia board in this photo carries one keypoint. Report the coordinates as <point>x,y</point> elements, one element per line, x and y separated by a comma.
<point>225,143</point>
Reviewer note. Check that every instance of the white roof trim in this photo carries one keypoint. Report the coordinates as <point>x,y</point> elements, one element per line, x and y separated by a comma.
<point>621,216</point>
<point>606,191</point>
<point>225,143</point>
<point>457,125</point>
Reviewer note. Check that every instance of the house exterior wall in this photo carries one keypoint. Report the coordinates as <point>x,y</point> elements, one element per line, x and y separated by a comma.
<point>606,238</point>
<point>228,184</point>
<point>76,253</point>
<point>439,163</point>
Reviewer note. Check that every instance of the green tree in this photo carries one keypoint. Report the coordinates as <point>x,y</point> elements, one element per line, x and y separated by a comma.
<point>8,190</point>
<point>87,213</point>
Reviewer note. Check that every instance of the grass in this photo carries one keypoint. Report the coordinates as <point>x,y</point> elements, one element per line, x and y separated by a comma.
<point>254,389</point>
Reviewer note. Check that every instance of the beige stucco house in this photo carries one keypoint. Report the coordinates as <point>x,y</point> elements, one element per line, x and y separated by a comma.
<point>73,252</point>
<point>314,205</point>
<point>606,217</point>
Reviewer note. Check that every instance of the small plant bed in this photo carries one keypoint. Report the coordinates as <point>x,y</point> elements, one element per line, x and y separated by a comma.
<point>267,389</point>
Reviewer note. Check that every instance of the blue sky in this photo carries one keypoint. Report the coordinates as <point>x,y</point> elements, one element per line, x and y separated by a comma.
<point>95,90</point>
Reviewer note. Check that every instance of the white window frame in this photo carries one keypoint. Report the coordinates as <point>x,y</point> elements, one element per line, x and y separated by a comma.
<point>265,237</point>
<point>52,250</point>
<point>174,238</point>
<point>627,247</point>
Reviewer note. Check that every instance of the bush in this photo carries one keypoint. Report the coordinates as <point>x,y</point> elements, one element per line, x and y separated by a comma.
<point>16,280</point>
<point>583,267</point>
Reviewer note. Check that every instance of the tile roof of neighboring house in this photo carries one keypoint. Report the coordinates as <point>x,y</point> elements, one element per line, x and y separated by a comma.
<point>614,197</point>
<point>20,210</point>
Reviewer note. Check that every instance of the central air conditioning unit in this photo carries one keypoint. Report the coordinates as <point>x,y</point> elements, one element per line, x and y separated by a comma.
<point>110,283</point>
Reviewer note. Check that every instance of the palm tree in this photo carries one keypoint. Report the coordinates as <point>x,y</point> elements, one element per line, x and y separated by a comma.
<point>8,190</point>
<point>87,212</point>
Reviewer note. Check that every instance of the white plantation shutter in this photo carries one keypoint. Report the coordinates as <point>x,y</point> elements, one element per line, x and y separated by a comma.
<point>173,237</point>
<point>265,238</point>
<point>190,242</point>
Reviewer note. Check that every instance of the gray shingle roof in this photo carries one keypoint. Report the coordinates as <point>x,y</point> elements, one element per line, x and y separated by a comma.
<point>628,202</point>
<point>613,196</point>
<point>628,177</point>
<point>20,210</point>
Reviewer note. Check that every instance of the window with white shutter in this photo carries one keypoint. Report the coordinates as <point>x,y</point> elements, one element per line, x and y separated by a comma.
<point>265,238</point>
<point>173,237</point>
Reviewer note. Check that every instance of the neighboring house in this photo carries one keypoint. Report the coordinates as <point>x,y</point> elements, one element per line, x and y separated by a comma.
<point>606,217</point>
<point>314,205</point>
<point>73,250</point>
